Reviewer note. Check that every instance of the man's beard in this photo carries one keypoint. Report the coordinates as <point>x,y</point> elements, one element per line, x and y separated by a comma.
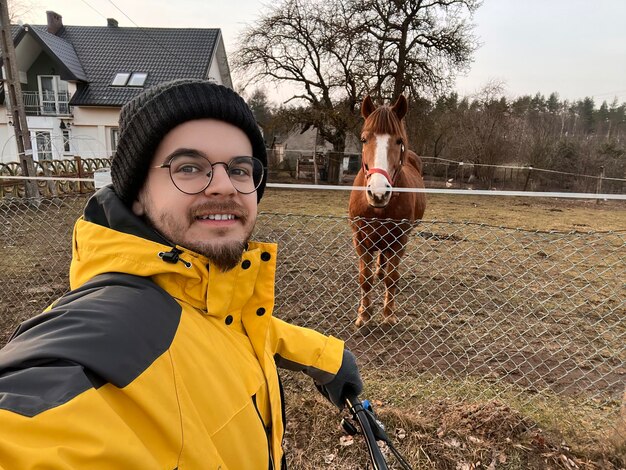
<point>224,255</point>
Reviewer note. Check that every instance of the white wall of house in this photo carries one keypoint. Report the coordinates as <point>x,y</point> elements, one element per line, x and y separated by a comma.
<point>214,73</point>
<point>91,131</point>
<point>89,134</point>
<point>219,71</point>
<point>7,140</point>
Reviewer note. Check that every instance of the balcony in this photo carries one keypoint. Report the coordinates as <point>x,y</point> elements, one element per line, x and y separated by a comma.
<point>46,103</point>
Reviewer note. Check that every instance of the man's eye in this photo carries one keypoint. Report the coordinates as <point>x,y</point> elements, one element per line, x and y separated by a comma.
<point>188,169</point>
<point>240,171</point>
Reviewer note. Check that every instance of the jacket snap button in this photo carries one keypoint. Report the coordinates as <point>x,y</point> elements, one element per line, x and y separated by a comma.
<point>265,256</point>
<point>260,312</point>
<point>246,264</point>
<point>229,319</point>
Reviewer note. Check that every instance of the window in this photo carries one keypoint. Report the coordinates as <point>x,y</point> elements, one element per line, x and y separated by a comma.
<point>137,79</point>
<point>54,96</point>
<point>129,79</point>
<point>115,137</point>
<point>66,141</point>
<point>120,79</point>
<point>43,146</point>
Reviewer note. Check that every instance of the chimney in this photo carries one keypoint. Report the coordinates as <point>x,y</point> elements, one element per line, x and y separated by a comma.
<point>111,22</point>
<point>55,22</point>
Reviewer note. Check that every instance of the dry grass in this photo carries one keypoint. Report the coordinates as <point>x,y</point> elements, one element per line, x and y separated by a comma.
<point>434,434</point>
<point>472,426</point>
<point>460,432</point>
<point>514,212</point>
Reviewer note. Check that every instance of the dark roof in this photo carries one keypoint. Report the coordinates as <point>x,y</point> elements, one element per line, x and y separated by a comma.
<point>62,50</point>
<point>93,55</point>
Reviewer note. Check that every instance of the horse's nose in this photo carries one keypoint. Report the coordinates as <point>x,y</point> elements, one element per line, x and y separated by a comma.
<point>379,196</point>
<point>379,191</point>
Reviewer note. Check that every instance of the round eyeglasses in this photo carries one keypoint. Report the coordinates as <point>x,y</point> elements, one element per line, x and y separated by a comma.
<point>192,174</point>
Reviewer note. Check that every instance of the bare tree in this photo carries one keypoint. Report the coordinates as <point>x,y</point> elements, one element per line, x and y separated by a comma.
<point>301,44</point>
<point>334,52</point>
<point>416,45</point>
<point>484,134</point>
<point>22,10</point>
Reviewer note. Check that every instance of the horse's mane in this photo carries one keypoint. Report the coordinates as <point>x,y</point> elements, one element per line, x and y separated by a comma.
<point>384,121</point>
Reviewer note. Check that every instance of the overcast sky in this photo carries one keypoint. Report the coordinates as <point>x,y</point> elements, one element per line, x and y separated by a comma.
<point>574,47</point>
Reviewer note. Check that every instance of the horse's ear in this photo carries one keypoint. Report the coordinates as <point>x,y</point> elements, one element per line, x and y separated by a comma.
<point>400,107</point>
<point>367,107</point>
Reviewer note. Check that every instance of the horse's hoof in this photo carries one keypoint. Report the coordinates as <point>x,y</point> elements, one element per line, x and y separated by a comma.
<point>360,321</point>
<point>390,320</point>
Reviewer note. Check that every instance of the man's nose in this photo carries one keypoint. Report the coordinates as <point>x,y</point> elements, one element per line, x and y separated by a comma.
<point>220,181</point>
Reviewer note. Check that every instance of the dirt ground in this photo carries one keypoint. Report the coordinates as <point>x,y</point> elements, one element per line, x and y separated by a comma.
<point>510,350</point>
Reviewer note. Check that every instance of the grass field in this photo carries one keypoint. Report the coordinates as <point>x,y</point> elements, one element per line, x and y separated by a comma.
<point>536,385</point>
<point>515,212</point>
<point>529,387</point>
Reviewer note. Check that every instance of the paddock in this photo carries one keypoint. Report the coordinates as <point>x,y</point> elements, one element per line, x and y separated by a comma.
<point>532,318</point>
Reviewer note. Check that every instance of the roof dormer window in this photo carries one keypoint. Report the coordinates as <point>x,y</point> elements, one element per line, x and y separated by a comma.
<point>135,79</point>
<point>120,79</point>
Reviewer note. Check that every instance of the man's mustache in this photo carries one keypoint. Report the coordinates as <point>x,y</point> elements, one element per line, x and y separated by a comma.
<point>221,208</point>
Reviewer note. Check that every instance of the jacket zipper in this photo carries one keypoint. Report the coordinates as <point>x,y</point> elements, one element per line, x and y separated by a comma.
<point>267,432</point>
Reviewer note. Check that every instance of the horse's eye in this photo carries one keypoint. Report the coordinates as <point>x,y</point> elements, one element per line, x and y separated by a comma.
<point>364,140</point>
<point>399,141</point>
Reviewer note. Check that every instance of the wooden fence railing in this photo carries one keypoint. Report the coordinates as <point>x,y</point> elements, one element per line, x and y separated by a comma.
<point>76,167</point>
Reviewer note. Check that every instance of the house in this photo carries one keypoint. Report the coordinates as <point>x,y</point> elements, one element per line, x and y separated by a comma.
<point>75,79</point>
<point>297,146</point>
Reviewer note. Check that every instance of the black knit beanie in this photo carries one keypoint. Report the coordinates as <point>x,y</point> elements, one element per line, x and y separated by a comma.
<point>146,119</point>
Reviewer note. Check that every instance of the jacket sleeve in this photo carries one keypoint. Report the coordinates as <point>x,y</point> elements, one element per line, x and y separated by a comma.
<point>74,382</point>
<point>302,349</point>
<point>84,432</point>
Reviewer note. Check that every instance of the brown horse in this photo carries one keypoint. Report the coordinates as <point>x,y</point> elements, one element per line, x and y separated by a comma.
<point>382,219</point>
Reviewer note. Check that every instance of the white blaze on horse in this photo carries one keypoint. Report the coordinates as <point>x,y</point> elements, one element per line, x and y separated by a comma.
<point>382,219</point>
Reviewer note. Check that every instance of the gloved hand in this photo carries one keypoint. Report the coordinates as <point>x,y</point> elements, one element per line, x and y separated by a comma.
<point>346,381</point>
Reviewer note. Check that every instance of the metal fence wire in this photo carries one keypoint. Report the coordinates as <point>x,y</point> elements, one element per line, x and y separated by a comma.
<point>531,319</point>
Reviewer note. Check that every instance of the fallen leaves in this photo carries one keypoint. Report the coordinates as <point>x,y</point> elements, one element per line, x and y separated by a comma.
<point>345,441</point>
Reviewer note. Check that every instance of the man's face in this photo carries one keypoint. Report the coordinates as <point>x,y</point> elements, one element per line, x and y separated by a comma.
<point>216,222</point>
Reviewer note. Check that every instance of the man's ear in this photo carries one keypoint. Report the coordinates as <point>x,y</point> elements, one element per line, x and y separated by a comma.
<point>138,208</point>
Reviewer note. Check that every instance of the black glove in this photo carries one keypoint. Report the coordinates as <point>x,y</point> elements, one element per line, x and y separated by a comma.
<point>347,381</point>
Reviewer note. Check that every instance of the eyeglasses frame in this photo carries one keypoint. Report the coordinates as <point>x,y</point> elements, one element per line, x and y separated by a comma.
<point>168,165</point>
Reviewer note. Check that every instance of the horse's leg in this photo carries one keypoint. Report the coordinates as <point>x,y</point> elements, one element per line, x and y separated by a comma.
<point>381,265</point>
<point>365,281</point>
<point>392,275</point>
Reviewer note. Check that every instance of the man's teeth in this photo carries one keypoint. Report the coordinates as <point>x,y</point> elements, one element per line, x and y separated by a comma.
<point>217,217</point>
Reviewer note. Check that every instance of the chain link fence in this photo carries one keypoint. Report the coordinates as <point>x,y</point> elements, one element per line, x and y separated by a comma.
<point>531,319</point>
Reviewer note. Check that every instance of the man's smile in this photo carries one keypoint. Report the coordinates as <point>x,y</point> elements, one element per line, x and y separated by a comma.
<point>217,217</point>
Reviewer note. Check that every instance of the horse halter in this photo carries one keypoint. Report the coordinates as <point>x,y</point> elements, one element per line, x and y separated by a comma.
<point>392,182</point>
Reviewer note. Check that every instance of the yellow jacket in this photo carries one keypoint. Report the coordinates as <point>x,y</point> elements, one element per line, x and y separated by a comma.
<point>154,360</point>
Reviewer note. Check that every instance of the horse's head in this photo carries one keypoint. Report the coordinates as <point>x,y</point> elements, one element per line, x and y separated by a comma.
<point>384,145</point>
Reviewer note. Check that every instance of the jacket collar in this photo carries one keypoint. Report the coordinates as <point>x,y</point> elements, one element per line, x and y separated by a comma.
<point>111,238</point>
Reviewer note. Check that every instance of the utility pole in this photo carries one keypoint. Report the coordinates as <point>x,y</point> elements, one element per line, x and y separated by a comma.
<point>16,102</point>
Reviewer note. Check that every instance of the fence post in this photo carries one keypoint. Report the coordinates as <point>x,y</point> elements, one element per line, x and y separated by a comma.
<point>599,184</point>
<point>51,184</point>
<point>315,181</point>
<point>530,169</point>
<point>79,170</point>
<point>462,175</point>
